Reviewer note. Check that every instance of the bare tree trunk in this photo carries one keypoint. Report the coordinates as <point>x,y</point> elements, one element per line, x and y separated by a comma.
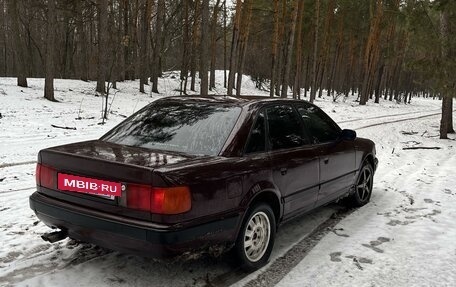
<point>306,76</point>
<point>145,24</point>
<point>111,75</point>
<point>242,46</point>
<point>371,53</point>
<point>322,63</point>
<point>19,53</point>
<point>50,42</point>
<point>185,52</point>
<point>120,66</point>
<point>4,19</point>
<point>156,69</point>
<point>351,68</point>
<point>135,33</point>
<point>66,46</point>
<point>332,83</point>
<point>289,49</point>
<point>102,45</point>
<point>213,43</point>
<point>447,101</point>
<point>234,48</point>
<point>82,46</point>
<point>299,61</point>
<point>378,84</point>
<point>314,69</point>
<point>126,41</point>
<point>275,41</point>
<point>450,128</point>
<point>224,45</point>
<point>195,36</point>
<point>281,49</point>
<point>204,48</point>
<point>446,117</point>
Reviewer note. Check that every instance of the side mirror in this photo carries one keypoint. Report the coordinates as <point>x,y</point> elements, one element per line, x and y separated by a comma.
<point>348,135</point>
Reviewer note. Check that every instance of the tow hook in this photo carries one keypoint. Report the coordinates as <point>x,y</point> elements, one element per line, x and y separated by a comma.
<point>54,236</point>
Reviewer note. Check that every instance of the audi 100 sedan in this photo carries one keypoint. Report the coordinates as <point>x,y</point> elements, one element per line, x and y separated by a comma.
<point>189,173</point>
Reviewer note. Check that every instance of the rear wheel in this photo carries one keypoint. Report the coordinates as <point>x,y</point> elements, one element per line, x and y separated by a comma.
<point>363,187</point>
<point>256,237</point>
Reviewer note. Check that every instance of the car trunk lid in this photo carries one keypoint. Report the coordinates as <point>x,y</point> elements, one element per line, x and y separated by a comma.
<point>99,160</point>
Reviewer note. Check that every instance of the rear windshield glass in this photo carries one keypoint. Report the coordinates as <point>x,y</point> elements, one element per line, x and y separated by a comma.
<point>189,127</point>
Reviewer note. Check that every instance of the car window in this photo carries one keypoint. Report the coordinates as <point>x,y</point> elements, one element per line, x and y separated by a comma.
<point>257,137</point>
<point>285,130</point>
<point>181,126</point>
<point>318,125</point>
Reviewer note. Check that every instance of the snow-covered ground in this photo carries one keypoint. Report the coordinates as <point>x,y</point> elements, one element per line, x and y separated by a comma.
<point>406,236</point>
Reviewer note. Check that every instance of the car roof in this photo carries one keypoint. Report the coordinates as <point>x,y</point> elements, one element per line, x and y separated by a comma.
<point>243,100</point>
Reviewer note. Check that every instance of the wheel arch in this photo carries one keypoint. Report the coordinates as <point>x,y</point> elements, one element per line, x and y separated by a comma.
<point>269,196</point>
<point>369,158</point>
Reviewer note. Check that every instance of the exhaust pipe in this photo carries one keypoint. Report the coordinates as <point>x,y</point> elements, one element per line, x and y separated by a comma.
<point>54,236</point>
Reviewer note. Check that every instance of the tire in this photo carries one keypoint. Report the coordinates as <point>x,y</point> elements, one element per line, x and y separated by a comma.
<point>363,187</point>
<point>256,237</point>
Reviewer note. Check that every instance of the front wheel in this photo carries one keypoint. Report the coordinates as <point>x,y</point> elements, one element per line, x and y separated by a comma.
<point>256,237</point>
<point>363,187</point>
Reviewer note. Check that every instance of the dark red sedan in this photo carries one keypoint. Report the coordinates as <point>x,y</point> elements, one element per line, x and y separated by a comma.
<point>187,173</point>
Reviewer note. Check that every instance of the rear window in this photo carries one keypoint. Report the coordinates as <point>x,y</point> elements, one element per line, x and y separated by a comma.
<point>189,127</point>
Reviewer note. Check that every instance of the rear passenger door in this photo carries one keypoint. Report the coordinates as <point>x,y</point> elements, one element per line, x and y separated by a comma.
<point>295,166</point>
<point>336,156</point>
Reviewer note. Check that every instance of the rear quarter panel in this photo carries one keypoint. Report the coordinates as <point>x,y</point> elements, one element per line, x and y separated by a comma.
<point>222,186</point>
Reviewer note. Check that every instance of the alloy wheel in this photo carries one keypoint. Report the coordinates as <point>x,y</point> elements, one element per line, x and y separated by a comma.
<point>364,186</point>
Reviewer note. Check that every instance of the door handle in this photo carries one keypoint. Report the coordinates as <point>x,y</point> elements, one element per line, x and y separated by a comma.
<point>283,170</point>
<point>326,160</point>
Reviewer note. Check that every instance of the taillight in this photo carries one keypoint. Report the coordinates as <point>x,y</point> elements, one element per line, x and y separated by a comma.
<point>138,196</point>
<point>37,173</point>
<point>162,200</point>
<point>46,176</point>
<point>172,200</point>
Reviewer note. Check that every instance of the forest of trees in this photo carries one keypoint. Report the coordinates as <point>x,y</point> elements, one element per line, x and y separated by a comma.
<point>389,49</point>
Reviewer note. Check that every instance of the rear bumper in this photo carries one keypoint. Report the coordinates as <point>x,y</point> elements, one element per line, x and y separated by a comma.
<point>130,235</point>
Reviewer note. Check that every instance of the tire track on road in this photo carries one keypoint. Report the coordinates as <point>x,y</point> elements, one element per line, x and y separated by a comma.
<point>14,190</point>
<point>3,165</point>
<point>397,121</point>
<point>379,117</point>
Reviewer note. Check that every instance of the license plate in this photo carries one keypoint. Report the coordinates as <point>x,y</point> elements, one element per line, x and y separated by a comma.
<point>103,188</point>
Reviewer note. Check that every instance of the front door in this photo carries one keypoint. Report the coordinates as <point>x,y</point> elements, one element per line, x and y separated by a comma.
<point>336,156</point>
<point>337,169</point>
